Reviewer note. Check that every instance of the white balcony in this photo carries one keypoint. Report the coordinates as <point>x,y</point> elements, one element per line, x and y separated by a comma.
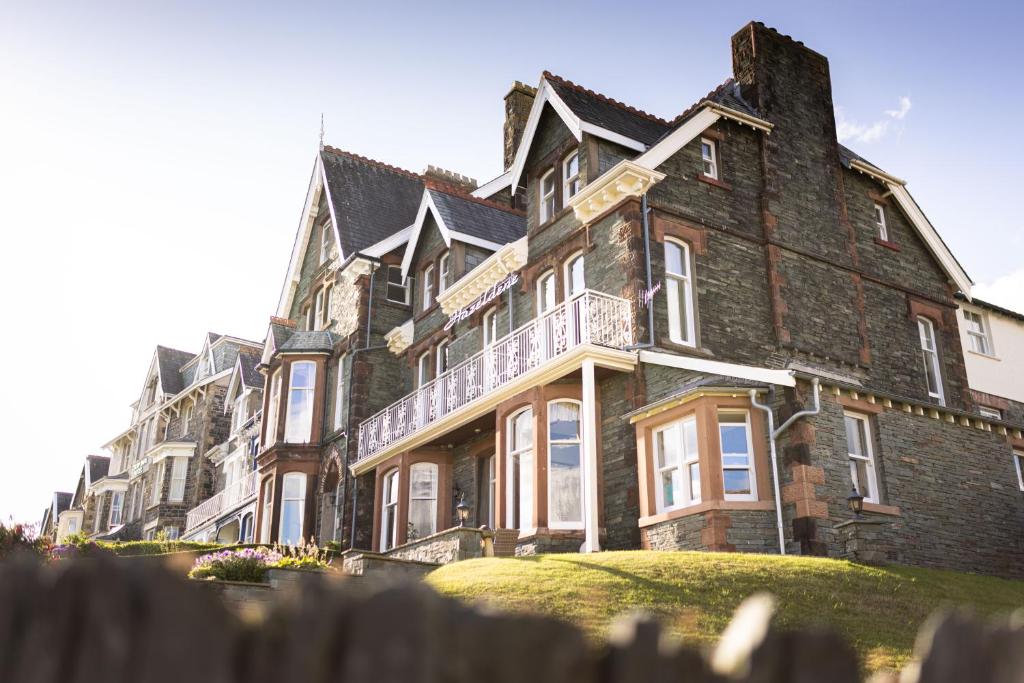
<point>234,496</point>
<point>591,324</point>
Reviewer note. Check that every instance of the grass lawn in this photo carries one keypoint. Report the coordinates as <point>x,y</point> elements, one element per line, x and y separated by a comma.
<point>879,610</point>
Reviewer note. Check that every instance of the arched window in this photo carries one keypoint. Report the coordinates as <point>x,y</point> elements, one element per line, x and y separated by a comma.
<point>565,476</point>
<point>293,508</point>
<point>245,530</point>
<point>422,500</point>
<point>679,290</point>
<point>268,511</point>
<point>519,471</point>
<point>930,356</point>
<point>299,419</point>
<point>574,276</point>
<point>546,292</point>
<point>389,512</point>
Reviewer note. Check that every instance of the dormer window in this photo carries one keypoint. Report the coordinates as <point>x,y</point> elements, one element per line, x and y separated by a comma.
<point>883,231</point>
<point>397,289</point>
<point>570,176</point>
<point>428,287</point>
<point>442,272</point>
<point>547,196</point>
<point>709,157</point>
<point>325,242</point>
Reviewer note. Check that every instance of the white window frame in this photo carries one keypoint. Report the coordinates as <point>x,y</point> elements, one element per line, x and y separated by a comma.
<point>880,224</point>
<point>868,459</point>
<point>432,499</point>
<point>171,533</point>
<point>187,413</point>
<point>750,468</point>
<point>579,442</point>
<point>318,309</point>
<point>423,369</point>
<point>992,413</point>
<point>158,484</point>
<point>300,499</point>
<point>709,162</point>
<point>543,305</point>
<point>577,257</point>
<point>930,357</point>
<point>339,393</point>
<point>300,432</point>
<point>428,286</point>
<point>680,285</point>
<point>238,413</point>
<point>402,284</point>
<point>490,327</point>
<point>325,233</point>
<point>273,406</point>
<point>390,493</point>
<point>570,181</point>
<point>1018,462</point>
<point>980,339</point>
<point>687,460</point>
<point>443,264</point>
<point>526,520</point>
<point>491,469</point>
<point>546,200</point>
<point>441,358</point>
<point>179,475</point>
<point>116,505</point>
<point>267,518</point>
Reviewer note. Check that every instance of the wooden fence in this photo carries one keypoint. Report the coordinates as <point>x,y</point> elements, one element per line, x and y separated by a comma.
<point>87,621</point>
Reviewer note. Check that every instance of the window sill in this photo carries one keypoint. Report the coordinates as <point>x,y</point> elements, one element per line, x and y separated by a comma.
<point>551,220</point>
<point>887,244</point>
<point>706,506</point>
<point>715,182</point>
<point>989,356</point>
<point>686,349</point>
<point>879,509</point>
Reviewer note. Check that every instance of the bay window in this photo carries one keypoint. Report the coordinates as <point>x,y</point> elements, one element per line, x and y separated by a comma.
<point>299,417</point>
<point>570,176</point>
<point>546,191</point>
<point>293,506</point>
<point>339,394</point>
<point>930,357</point>
<point>679,293</point>
<point>389,512</point>
<point>737,456</point>
<point>272,409</point>
<point>179,471</point>
<point>861,453</point>
<point>158,483</point>
<point>422,500</point>
<point>565,480</point>
<point>677,465</point>
<point>519,470</point>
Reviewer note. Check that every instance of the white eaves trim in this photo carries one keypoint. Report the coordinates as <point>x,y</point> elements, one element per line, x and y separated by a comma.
<point>677,139</point>
<point>931,238</point>
<point>780,377</point>
<point>427,204</point>
<point>388,244</point>
<point>547,95</point>
<point>317,183</point>
<point>489,188</point>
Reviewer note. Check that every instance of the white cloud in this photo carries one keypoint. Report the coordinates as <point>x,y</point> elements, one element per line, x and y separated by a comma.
<point>1006,291</point>
<point>848,130</point>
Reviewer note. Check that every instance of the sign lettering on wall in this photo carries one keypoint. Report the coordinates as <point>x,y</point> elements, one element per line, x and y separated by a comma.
<point>647,295</point>
<point>492,293</point>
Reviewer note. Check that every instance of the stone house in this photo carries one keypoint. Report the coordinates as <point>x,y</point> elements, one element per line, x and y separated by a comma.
<point>595,349</point>
<point>88,504</point>
<point>49,526</point>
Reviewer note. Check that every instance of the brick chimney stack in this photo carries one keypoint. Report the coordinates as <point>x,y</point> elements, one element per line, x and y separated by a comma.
<point>518,103</point>
<point>451,178</point>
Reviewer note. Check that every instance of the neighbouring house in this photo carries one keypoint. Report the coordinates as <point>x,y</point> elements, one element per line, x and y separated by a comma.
<point>90,504</point>
<point>51,516</point>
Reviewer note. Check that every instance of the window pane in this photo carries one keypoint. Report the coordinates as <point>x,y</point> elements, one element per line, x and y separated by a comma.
<point>861,479</point>
<point>564,421</point>
<point>564,484</point>
<point>576,283</point>
<point>854,436</point>
<point>549,183</point>
<point>670,483</point>
<point>674,262</point>
<point>736,481</point>
<point>291,522</point>
<point>668,447</point>
<point>422,518</point>
<point>690,438</point>
<point>423,480</point>
<point>293,487</point>
<point>302,375</point>
<point>734,439</point>
<point>695,483</point>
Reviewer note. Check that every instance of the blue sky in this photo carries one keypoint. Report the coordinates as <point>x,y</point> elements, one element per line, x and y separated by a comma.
<point>154,159</point>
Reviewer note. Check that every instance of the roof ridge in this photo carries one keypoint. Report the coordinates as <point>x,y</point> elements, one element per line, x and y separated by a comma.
<point>710,96</point>
<point>445,188</point>
<point>379,164</point>
<point>604,98</point>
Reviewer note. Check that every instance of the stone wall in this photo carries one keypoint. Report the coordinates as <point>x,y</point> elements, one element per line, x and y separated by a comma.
<point>443,547</point>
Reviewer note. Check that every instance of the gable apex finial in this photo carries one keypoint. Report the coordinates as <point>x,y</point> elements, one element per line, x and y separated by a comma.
<point>321,131</point>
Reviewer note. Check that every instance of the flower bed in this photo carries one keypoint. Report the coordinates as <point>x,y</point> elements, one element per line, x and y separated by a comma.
<point>250,565</point>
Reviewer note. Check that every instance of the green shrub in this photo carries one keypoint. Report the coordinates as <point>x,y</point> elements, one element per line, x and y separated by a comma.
<point>21,539</point>
<point>248,564</point>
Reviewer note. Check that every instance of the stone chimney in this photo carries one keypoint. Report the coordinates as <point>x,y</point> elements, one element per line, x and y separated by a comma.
<point>450,178</point>
<point>518,103</point>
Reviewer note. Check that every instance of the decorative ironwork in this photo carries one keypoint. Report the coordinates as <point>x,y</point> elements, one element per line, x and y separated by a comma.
<point>234,496</point>
<point>589,318</point>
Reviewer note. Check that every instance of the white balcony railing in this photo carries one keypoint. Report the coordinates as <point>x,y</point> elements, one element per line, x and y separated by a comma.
<point>589,318</point>
<point>235,495</point>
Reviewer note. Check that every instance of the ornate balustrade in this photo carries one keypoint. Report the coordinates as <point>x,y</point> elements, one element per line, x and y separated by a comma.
<point>235,495</point>
<point>589,318</point>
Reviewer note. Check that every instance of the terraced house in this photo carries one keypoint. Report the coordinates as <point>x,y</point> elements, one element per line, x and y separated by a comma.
<point>602,347</point>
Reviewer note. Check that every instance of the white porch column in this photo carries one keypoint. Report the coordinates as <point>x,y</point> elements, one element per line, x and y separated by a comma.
<point>590,511</point>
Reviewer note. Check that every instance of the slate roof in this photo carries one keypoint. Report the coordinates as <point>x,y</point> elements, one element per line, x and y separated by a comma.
<point>61,502</point>
<point>170,362</point>
<point>371,200</point>
<point>701,382</point>
<point>280,334</point>
<point>249,361</point>
<point>308,340</point>
<point>478,217</point>
<point>98,466</point>
<point>611,114</point>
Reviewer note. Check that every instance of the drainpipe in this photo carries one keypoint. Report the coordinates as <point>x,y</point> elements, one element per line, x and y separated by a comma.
<point>773,434</point>
<point>645,222</point>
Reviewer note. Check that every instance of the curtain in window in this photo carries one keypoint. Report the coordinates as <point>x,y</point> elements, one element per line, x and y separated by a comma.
<point>422,500</point>
<point>565,482</point>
